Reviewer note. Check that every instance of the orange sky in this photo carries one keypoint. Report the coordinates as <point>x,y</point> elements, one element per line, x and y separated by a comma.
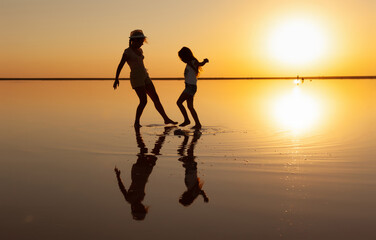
<point>85,38</point>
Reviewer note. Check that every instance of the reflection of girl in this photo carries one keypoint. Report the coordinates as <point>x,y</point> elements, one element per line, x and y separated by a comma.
<point>139,77</point>
<point>140,173</point>
<point>192,182</point>
<point>136,192</point>
<point>190,74</point>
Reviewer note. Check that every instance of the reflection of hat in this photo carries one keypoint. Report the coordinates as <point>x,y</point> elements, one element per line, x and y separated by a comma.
<point>137,34</point>
<point>139,211</point>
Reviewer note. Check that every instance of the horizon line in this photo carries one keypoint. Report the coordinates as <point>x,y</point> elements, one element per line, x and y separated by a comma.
<point>201,78</point>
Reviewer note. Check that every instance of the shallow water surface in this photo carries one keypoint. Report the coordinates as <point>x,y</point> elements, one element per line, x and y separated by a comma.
<point>273,160</point>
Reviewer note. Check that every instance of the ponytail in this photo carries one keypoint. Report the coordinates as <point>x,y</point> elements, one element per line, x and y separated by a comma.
<point>187,57</point>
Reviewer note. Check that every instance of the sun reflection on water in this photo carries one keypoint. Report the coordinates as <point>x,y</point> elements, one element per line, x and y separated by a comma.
<point>297,111</point>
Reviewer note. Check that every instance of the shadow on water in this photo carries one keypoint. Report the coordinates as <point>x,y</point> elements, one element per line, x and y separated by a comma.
<point>192,182</point>
<point>140,173</point>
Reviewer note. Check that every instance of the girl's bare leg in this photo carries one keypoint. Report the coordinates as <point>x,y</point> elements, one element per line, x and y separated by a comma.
<point>193,112</point>
<point>184,96</point>
<point>141,93</point>
<point>150,90</point>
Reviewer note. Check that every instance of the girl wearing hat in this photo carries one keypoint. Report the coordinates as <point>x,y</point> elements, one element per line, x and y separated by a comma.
<point>190,74</point>
<point>139,77</point>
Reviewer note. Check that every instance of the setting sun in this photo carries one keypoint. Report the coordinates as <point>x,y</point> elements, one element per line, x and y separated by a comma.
<point>297,42</point>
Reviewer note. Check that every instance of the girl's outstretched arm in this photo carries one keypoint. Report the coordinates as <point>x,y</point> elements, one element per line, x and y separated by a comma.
<point>119,68</point>
<point>203,62</point>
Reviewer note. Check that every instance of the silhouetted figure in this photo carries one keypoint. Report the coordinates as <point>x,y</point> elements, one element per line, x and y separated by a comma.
<point>140,173</point>
<point>191,72</point>
<point>192,182</point>
<point>139,76</point>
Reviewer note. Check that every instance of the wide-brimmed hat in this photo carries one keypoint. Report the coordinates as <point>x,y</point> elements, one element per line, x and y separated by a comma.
<point>137,34</point>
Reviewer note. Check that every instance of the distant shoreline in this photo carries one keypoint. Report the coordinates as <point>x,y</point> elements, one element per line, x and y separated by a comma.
<point>203,78</point>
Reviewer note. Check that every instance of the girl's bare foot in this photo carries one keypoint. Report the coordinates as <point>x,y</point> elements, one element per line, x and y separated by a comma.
<point>137,125</point>
<point>197,126</point>
<point>168,121</point>
<point>185,123</point>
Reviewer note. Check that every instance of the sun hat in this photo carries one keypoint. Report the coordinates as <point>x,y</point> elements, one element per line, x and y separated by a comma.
<point>137,34</point>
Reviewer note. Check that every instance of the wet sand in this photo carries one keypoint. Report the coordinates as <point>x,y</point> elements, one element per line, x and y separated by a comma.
<point>273,160</point>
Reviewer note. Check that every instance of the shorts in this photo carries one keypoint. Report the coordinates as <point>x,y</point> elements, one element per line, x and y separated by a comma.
<point>190,89</point>
<point>139,79</point>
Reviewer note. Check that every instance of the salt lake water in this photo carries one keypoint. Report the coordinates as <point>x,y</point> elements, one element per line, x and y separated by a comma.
<point>274,160</point>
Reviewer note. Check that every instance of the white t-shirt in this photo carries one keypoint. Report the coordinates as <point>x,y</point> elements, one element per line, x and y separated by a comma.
<point>190,75</point>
